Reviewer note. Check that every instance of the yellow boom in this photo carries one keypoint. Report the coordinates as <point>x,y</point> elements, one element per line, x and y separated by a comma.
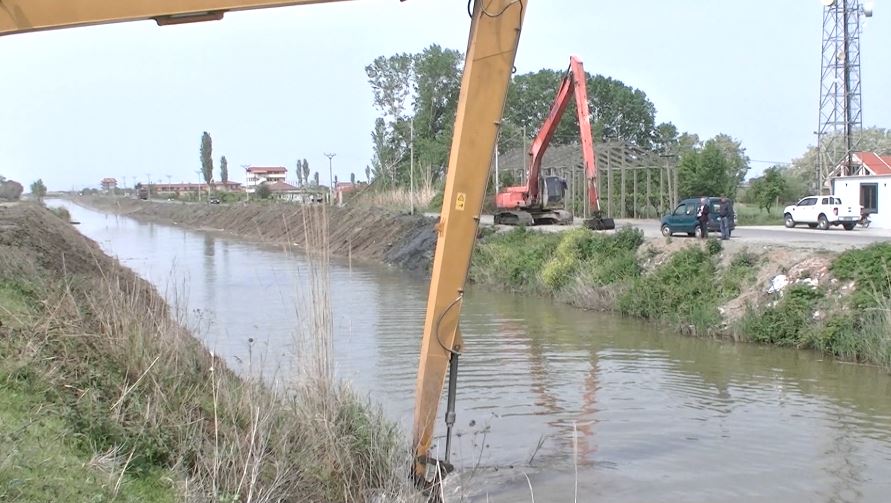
<point>492,46</point>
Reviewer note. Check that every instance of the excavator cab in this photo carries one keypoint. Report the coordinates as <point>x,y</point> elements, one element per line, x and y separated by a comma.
<point>554,192</point>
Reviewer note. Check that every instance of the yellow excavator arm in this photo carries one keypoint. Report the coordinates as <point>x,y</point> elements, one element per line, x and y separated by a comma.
<point>491,49</point>
<point>21,16</point>
<point>494,35</point>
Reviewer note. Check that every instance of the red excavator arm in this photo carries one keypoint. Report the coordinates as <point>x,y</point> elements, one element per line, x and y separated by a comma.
<point>528,204</point>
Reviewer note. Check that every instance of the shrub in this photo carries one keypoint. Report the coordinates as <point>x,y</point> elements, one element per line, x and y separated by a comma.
<point>785,323</point>
<point>682,290</point>
<point>870,269</point>
<point>713,246</point>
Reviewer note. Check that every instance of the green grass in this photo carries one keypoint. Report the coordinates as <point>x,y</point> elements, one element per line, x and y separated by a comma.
<point>870,269</point>
<point>682,291</point>
<point>546,263</point>
<point>752,215</point>
<point>788,322</point>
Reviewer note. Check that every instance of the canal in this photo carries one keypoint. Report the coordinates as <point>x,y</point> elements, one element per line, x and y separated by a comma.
<point>609,408</point>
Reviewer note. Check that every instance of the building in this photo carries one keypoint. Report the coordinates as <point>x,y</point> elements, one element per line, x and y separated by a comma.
<point>869,185</point>
<point>108,184</point>
<point>344,190</point>
<point>255,175</point>
<point>178,189</point>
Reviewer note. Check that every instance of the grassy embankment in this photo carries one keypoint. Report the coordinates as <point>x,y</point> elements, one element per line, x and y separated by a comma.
<point>104,396</point>
<point>689,287</point>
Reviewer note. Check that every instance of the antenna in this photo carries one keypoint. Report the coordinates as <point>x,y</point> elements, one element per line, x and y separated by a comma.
<point>841,114</point>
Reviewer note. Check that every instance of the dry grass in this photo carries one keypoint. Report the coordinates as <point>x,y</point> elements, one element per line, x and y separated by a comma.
<point>138,393</point>
<point>397,199</point>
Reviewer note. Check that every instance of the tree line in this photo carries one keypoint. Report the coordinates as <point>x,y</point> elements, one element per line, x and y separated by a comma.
<point>416,96</point>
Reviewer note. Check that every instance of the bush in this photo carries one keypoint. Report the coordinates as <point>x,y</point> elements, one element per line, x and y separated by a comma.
<point>683,290</point>
<point>870,269</point>
<point>62,213</point>
<point>513,259</point>
<point>10,190</point>
<point>864,337</point>
<point>786,323</point>
<point>713,246</point>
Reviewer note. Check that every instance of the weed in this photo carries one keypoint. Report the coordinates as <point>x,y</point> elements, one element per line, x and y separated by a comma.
<point>713,246</point>
<point>785,323</point>
<point>870,268</point>
<point>682,291</point>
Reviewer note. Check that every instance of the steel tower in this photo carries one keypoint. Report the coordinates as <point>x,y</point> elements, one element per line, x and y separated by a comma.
<point>841,114</point>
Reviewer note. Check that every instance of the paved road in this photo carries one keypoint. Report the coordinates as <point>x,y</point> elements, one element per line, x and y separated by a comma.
<point>834,239</point>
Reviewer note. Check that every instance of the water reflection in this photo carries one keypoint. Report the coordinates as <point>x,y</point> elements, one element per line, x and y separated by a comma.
<point>645,414</point>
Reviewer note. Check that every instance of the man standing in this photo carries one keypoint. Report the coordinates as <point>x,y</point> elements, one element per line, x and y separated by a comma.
<point>724,218</point>
<point>702,216</point>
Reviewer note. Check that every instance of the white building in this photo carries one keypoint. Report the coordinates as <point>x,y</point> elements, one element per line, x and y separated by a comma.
<point>869,185</point>
<point>255,175</point>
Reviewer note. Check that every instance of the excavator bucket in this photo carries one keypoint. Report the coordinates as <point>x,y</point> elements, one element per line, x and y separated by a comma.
<point>600,223</point>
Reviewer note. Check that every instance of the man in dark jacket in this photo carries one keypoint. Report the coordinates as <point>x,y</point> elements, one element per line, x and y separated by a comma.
<point>702,216</point>
<point>724,216</point>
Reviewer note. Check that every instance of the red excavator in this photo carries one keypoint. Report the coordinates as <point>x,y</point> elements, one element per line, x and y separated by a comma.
<point>542,200</point>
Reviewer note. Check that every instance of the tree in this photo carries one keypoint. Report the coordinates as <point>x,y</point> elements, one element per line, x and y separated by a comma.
<point>618,111</point>
<point>666,138</point>
<point>703,172</point>
<point>306,171</point>
<point>38,189</point>
<point>353,178</point>
<point>335,181</point>
<point>263,191</point>
<point>10,190</point>
<point>420,91</point>
<point>315,178</point>
<point>801,175</point>
<point>206,157</point>
<point>224,170</point>
<point>716,168</point>
<point>299,171</point>
<point>368,173</point>
<point>768,188</point>
<point>737,160</point>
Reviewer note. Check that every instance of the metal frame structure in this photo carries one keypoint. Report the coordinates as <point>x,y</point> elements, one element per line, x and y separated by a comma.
<point>841,113</point>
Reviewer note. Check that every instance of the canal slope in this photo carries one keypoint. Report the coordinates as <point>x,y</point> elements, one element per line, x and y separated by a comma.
<point>103,395</point>
<point>783,295</point>
<point>400,240</point>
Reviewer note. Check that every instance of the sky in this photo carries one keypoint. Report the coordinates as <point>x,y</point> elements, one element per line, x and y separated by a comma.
<point>131,100</point>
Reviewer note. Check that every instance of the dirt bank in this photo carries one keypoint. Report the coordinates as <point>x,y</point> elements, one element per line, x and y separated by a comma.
<point>105,397</point>
<point>404,241</point>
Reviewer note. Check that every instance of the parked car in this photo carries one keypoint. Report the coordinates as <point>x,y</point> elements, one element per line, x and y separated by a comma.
<point>683,218</point>
<point>821,212</point>
<point>214,200</point>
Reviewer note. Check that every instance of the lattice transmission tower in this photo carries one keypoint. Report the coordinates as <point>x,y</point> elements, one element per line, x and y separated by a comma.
<point>841,114</point>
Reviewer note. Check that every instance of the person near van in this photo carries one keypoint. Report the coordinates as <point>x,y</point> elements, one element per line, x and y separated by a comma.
<point>702,216</point>
<point>724,218</point>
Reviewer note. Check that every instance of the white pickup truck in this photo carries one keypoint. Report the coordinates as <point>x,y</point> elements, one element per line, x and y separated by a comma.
<point>821,212</point>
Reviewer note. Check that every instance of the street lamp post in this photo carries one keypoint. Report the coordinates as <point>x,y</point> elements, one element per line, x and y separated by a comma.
<point>330,177</point>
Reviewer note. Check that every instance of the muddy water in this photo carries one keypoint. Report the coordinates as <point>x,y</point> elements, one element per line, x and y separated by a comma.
<point>590,407</point>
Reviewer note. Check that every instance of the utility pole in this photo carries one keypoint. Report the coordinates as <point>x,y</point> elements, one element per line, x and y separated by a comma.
<point>525,155</point>
<point>411,168</point>
<point>330,177</point>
